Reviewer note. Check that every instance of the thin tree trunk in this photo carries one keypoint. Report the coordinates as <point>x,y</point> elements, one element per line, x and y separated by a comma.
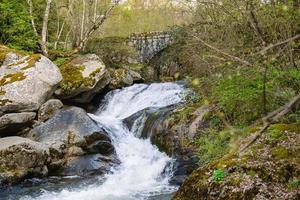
<point>66,40</point>
<point>82,20</point>
<point>45,28</point>
<point>95,11</point>
<point>59,35</point>
<point>32,19</point>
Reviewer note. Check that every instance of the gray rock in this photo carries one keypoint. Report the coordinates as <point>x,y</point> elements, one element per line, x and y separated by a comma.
<point>11,58</point>
<point>93,79</point>
<point>48,109</point>
<point>66,127</point>
<point>70,135</point>
<point>12,123</point>
<point>87,165</point>
<point>26,85</point>
<point>123,77</point>
<point>20,157</point>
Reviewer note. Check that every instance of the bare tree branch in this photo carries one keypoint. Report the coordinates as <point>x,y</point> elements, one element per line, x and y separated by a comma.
<point>233,58</point>
<point>32,19</point>
<point>271,46</point>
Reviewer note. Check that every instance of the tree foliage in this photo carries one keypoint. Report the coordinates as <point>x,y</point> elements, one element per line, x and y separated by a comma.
<point>15,28</point>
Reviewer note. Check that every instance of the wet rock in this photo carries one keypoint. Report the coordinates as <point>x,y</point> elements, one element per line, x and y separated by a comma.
<point>12,123</point>
<point>87,165</point>
<point>48,109</point>
<point>174,135</point>
<point>83,77</point>
<point>26,84</point>
<point>20,158</point>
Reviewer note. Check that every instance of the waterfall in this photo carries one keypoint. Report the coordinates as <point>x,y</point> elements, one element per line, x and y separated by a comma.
<point>144,171</point>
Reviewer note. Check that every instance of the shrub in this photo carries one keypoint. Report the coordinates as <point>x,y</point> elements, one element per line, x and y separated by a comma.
<point>218,175</point>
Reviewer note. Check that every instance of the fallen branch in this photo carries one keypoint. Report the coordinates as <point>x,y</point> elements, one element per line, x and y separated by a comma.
<point>273,117</point>
<point>271,46</point>
<point>233,58</point>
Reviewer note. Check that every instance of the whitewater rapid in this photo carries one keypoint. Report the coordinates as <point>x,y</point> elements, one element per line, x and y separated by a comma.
<point>144,171</point>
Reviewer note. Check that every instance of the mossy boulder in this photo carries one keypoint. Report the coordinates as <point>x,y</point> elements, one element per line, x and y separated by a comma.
<point>20,158</point>
<point>83,77</point>
<point>26,83</point>
<point>269,169</point>
<point>123,77</point>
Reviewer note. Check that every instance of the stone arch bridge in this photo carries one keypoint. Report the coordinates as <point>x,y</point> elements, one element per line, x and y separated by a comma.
<point>149,44</point>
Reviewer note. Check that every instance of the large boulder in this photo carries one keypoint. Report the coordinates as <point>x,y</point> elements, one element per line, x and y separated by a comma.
<point>83,77</point>
<point>27,82</point>
<point>72,137</point>
<point>12,123</point>
<point>175,135</point>
<point>20,158</point>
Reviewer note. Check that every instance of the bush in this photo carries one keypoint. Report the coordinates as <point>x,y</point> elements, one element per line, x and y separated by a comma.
<point>218,175</point>
<point>15,27</point>
<point>212,145</point>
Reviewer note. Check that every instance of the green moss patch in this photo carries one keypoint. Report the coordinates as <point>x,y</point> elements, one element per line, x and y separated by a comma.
<point>10,78</point>
<point>3,102</point>
<point>280,152</point>
<point>73,78</point>
<point>32,60</point>
<point>2,92</point>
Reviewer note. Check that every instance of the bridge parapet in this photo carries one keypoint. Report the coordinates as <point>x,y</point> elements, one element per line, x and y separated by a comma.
<point>149,44</point>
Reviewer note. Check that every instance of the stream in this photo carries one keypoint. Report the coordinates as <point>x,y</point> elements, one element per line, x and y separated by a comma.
<point>143,173</point>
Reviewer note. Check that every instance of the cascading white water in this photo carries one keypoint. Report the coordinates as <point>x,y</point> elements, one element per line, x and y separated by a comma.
<point>143,170</point>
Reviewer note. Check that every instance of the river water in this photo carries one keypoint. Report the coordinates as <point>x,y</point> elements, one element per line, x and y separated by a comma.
<point>143,173</point>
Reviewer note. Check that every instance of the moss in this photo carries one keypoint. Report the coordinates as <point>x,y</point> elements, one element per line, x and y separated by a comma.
<point>10,78</point>
<point>94,73</point>
<point>251,173</point>
<point>3,102</point>
<point>294,184</point>
<point>72,77</point>
<point>280,152</point>
<point>236,181</point>
<point>2,92</point>
<point>287,127</point>
<point>32,60</point>
<point>3,53</point>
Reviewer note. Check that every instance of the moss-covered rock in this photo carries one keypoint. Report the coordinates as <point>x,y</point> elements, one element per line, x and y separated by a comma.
<point>265,171</point>
<point>20,158</point>
<point>83,77</point>
<point>27,82</point>
<point>123,77</point>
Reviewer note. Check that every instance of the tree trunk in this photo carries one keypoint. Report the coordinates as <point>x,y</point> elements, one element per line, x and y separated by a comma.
<point>45,28</point>
<point>82,21</point>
